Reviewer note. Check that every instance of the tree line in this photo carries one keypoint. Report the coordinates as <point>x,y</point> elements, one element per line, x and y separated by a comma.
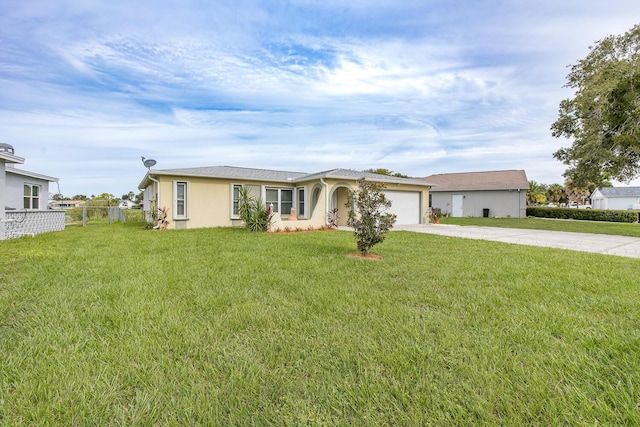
<point>137,198</point>
<point>561,195</point>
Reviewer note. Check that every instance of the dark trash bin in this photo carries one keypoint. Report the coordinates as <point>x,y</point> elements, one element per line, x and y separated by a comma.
<point>485,213</point>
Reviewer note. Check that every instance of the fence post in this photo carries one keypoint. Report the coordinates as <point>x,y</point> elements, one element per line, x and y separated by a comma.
<point>84,216</point>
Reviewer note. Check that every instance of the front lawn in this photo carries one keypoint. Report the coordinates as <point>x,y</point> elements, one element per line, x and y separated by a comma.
<point>116,325</point>
<point>596,227</point>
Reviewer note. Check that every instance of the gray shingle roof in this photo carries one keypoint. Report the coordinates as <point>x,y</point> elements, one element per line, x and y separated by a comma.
<point>490,180</point>
<point>354,174</point>
<point>232,172</point>
<point>620,191</point>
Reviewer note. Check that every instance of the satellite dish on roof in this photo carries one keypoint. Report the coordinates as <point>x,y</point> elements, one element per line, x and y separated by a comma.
<point>148,163</point>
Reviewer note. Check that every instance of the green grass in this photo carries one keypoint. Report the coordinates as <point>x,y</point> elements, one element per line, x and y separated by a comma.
<point>597,227</point>
<point>116,325</point>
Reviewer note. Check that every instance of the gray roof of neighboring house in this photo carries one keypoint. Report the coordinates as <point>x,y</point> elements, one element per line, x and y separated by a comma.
<point>233,172</point>
<point>620,191</point>
<point>490,180</point>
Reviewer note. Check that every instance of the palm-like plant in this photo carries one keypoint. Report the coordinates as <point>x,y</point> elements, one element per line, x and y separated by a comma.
<point>255,215</point>
<point>536,193</point>
<point>557,194</point>
<point>577,193</point>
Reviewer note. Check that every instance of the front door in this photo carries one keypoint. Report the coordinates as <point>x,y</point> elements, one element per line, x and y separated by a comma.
<point>456,205</point>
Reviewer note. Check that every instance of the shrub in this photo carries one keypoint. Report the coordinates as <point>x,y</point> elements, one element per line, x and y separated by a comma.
<point>332,218</point>
<point>255,215</point>
<point>435,215</point>
<point>367,214</point>
<point>583,214</point>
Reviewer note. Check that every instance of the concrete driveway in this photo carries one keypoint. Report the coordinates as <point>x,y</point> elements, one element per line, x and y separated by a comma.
<point>597,243</point>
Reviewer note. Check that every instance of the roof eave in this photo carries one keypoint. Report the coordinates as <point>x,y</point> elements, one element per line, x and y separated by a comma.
<point>11,158</point>
<point>32,174</point>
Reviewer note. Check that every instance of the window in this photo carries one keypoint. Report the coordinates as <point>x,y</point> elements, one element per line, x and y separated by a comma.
<point>235,197</point>
<point>286,201</point>
<point>301,202</point>
<point>180,200</point>
<point>31,196</point>
<point>281,199</point>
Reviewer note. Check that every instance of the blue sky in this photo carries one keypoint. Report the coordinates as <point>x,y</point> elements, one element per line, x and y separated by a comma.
<point>419,87</point>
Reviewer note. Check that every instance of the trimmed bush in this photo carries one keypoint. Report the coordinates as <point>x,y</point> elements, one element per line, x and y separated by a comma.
<point>367,214</point>
<point>583,214</point>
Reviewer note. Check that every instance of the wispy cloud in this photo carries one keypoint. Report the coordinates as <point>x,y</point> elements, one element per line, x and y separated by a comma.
<point>420,88</point>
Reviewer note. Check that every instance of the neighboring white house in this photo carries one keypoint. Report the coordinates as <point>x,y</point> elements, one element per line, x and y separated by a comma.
<point>23,199</point>
<point>26,190</point>
<point>127,204</point>
<point>476,194</point>
<point>616,198</point>
<point>66,204</point>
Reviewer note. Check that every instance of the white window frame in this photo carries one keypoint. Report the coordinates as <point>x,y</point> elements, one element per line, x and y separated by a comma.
<point>185,215</point>
<point>278,206</point>
<point>30,197</point>
<point>234,215</point>
<point>301,205</point>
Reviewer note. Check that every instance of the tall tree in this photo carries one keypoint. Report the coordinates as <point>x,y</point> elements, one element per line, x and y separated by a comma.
<point>139,197</point>
<point>577,192</point>
<point>536,193</point>
<point>129,196</point>
<point>603,118</point>
<point>557,194</point>
<point>384,171</point>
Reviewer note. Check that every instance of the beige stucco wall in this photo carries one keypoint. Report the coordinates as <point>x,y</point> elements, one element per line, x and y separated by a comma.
<point>501,203</point>
<point>209,201</point>
<point>339,196</point>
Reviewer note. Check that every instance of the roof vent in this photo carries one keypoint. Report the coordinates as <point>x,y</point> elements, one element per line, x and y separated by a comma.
<point>6,148</point>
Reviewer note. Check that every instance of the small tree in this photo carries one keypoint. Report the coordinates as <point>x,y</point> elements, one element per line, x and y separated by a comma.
<point>367,216</point>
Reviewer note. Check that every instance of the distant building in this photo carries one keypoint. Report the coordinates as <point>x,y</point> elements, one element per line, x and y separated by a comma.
<point>616,198</point>
<point>66,204</point>
<point>127,204</point>
<point>476,194</point>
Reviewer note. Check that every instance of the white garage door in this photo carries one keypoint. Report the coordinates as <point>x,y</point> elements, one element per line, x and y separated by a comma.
<point>406,205</point>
